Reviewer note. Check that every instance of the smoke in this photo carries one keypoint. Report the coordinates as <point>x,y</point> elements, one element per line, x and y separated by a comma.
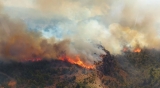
<point>113,24</point>
<point>73,9</point>
<point>19,44</point>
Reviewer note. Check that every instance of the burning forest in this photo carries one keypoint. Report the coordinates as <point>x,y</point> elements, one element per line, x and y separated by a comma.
<point>79,44</point>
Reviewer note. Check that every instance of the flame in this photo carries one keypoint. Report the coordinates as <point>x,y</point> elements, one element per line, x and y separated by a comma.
<point>137,50</point>
<point>77,61</point>
<point>125,49</point>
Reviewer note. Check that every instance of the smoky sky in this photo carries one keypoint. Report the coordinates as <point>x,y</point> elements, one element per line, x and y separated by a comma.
<point>77,26</point>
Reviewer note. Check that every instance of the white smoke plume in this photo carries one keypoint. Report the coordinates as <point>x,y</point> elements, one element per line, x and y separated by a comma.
<point>111,23</point>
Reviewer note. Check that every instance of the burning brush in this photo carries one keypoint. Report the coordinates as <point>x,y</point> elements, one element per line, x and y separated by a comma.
<point>136,49</point>
<point>77,60</point>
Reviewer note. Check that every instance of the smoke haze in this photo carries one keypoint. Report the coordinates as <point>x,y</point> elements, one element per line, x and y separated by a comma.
<point>113,24</point>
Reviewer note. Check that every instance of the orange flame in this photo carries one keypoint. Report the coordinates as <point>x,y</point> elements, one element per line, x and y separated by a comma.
<point>77,61</point>
<point>137,50</point>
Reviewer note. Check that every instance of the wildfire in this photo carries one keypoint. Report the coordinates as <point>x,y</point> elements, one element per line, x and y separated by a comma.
<point>125,49</point>
<point>137,50</point>
<point>36,59</point>
<point>32,60</point>
<point>77,61</point>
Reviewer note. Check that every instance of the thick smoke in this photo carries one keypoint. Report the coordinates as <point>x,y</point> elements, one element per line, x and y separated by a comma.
<point>113,24</point>
<point>19,44</point>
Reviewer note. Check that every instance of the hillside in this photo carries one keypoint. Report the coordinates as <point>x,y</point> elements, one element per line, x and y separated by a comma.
<point>128,70</point>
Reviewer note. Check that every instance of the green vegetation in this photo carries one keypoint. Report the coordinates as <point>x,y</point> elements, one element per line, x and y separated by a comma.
<point>143,68</point>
